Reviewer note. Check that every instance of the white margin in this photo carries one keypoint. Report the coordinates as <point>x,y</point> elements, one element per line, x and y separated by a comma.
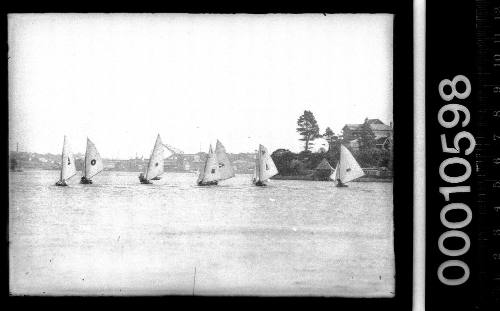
<point>418,302</point>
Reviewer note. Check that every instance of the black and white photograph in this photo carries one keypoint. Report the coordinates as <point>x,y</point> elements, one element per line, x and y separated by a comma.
<point>201,154</point>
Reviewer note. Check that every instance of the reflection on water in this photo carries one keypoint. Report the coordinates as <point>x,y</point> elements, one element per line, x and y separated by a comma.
<point>120,237</point>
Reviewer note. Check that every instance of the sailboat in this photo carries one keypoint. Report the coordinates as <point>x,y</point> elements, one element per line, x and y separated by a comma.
<point>93,163</point>
<point>347,168</point>
<point>155,166</point>
<point>68,168</point>
<point>264,167</point>
<point>210,174</point>
<point>226,169</point>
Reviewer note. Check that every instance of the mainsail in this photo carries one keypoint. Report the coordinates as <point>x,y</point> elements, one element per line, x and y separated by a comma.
<point>68,168</point>
<point>210,171</point>
<point>347,168</point>
<point>264,165</point>
<point>93,163</point>
<point>226,169</point>
<point>155,166</point>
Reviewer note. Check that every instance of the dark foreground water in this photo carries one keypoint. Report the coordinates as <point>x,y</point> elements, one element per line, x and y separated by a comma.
<point>119,237</point>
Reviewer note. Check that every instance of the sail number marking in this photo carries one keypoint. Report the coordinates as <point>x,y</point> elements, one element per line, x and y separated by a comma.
<point>461,117</point>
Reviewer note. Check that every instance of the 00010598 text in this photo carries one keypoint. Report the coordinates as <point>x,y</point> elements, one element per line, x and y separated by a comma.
<point>455,226</point>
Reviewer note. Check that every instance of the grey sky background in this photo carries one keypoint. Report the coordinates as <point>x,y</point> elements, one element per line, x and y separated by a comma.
<point>244,79</point>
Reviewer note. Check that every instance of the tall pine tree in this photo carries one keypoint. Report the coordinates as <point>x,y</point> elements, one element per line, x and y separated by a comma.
<point>331,138</point>
<point>308,128</point>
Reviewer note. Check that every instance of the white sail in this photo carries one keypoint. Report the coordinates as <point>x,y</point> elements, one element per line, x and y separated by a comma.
<point>226,169</point>
<point>347,168</point>
<point>68,168</point>
<point>210,171</point>
<point>93,162</point>
<point>267,168</point>
<point>155,166</point>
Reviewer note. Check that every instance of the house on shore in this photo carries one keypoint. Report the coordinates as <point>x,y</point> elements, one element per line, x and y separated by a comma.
<point>383,134</point>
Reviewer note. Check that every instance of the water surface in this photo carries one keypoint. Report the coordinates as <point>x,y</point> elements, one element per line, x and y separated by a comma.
<point>119,237</point>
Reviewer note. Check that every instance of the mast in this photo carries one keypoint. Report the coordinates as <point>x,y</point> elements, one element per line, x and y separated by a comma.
<point>67,161</point>
<point>257,165</point>
<point>202,172</point>
<point>85,159</point>
<point>340,159</point>
<point>150,159</point>
<point>62,159</point>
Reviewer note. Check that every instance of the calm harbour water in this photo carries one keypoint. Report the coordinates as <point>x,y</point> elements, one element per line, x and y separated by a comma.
<point>119,237</point>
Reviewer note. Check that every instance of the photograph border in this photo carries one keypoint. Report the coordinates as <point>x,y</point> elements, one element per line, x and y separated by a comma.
<point>403,159</point>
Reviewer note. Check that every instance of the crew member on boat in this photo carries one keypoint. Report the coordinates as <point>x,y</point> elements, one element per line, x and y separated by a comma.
<point>61,182</point>
<point>143,179</point>
<point>340,183</point>
<point>85,180</point>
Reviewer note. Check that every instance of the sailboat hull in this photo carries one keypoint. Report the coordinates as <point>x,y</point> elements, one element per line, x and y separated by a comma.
<point>208,183</point>
<point>259,183</point>
<point>84,180</point>
<point>61,183</point>
<point>341,184</point>
<point>144,180</point>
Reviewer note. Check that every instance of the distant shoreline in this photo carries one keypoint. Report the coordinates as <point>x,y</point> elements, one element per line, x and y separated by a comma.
<point>33,169</point>
<point>276,177</point>
<point>311,178</point>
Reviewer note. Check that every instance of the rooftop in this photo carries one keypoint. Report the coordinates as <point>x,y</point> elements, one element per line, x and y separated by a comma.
<point>373,126</point>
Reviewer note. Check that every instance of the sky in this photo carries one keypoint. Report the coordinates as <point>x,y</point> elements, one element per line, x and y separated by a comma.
<point>120,79</point>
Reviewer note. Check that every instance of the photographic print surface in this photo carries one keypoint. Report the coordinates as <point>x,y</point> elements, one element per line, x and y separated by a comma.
<point>176,154</point>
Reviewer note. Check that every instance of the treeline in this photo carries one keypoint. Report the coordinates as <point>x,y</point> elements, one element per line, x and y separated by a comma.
<point>291,163</point>
<point>368,154</point>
